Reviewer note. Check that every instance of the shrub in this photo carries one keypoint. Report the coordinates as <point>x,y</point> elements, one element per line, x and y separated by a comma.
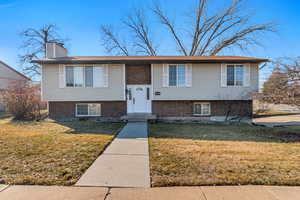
<point>22,99</point>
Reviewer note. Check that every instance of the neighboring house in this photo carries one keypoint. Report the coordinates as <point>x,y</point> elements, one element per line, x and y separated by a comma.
<point>170,87</point>
<point>8,76</point>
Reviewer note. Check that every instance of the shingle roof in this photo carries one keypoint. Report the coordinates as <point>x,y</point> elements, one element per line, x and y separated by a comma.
<point>148,59</point>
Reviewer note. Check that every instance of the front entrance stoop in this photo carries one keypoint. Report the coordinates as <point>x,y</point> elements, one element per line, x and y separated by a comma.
<point>138,117</point>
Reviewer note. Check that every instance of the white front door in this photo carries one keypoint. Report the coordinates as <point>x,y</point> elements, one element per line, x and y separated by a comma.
<point>138,99</point>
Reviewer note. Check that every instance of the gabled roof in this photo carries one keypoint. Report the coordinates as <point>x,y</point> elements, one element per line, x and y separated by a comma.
<point>148,59</point>
<point>9,67</point>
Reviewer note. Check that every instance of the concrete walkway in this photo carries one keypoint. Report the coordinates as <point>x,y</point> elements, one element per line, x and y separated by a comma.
<point>174,193</point>
<point>125,162</point>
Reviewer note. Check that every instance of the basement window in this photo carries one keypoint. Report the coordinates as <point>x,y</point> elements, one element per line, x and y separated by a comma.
<point>201,109</point>
<point>88,110</point>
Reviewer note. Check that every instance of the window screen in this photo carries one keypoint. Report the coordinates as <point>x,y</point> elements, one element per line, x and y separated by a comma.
<point>239,71</point>
<point>78,76</point>
<point>181,75</point>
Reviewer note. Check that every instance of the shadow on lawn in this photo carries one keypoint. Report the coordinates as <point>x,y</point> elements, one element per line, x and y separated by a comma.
<point>91,127</point>
<point>218,132</point>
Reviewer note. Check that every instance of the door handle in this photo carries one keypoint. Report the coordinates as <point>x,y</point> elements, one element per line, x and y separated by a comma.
<point>133,99</point>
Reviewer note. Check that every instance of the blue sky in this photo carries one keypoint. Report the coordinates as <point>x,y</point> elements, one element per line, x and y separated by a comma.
<point>80,21</point>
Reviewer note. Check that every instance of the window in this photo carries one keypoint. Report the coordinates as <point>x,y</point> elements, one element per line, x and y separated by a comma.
<point>88,109</point>
<point>78,76</point>
<point>98,76</point>
<point>69,76</point>
<point>201,108</point>
<point>172,75</point>
<point>88,76</point>
<point>148,93</point>
<point>85,76</point>
<point>235,75</point>
<point>177,75</point>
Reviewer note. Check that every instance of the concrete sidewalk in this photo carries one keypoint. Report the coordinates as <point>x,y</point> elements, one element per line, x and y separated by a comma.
<point>281,120</point>
<point>163,193</point>
<point>125,162</point>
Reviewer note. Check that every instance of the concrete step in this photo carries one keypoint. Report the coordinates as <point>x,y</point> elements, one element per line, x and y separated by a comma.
<point>138,117</point>
<point>136,120</point>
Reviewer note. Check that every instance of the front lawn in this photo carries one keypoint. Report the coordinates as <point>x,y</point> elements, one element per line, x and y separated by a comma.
<point>197,154</point>
<point>50,153</point>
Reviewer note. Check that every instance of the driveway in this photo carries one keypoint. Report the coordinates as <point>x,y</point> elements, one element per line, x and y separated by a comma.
<point>124,163</point>
<point>281,120</point>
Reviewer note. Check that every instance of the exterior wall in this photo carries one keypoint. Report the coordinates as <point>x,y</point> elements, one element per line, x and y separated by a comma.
<point>114,92</point>
<point>66,110</point>
<point>8,76</point>
<point>2,105</point>
<point>206,85</point>
<point>185,108</point>
<point>54,50</point>
<point>138,74</point>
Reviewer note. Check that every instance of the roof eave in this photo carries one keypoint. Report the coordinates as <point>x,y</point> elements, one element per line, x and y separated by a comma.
<point>145,61</point>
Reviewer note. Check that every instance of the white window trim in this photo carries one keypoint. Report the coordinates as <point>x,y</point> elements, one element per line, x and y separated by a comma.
<point>185,69</point>
<point>88,110</point>
<point>85,65</point>
<point>196,114</point>
<point>244,74</point>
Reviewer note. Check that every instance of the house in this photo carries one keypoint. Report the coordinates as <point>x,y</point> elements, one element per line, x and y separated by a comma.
<point>8,76</point>
<point>169,87</point>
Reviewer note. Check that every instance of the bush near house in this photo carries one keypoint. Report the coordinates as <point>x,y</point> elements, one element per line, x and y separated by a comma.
<point>23,100</point>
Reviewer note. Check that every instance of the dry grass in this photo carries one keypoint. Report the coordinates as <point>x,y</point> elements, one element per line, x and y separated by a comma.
<point>50,153</point>
<point>195,154</point>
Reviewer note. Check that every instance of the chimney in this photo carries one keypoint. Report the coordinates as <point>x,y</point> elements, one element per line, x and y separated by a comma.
<point>55,50</point>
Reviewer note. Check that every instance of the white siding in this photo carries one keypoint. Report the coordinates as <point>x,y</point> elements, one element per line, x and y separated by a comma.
<point>52,92</point>
<point>206,85</point>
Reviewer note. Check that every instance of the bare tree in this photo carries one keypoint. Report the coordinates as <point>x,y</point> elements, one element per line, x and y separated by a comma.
<point>283,86</point>
<point>137,23</point>
<point>112,42</point>
<point>141,42</point>
<point>34,46</point>
<point>209,33</point>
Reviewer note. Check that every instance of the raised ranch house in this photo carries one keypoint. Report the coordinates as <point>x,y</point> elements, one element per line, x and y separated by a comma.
<point>167,87</point>
<point>8,76</point>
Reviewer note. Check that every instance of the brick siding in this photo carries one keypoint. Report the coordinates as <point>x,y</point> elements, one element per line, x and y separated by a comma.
<point>66,110</point>
<point>138,74</point>
<point>185,108</point>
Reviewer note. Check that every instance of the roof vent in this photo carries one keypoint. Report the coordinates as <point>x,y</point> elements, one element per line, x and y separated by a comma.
<point>55,50</point>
